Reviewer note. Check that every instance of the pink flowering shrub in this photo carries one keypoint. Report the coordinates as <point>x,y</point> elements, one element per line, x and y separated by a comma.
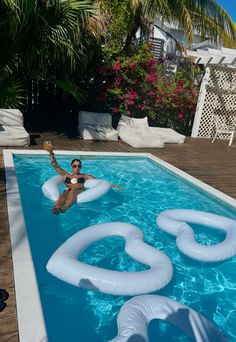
<point>176,100</point>
<point>137,86</point>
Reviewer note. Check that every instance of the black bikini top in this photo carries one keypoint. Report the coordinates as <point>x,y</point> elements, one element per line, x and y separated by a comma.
<point>79,180</point>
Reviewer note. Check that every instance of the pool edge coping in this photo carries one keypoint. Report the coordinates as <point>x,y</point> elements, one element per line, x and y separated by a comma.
<point>32,309</point>
<point>28,308</point>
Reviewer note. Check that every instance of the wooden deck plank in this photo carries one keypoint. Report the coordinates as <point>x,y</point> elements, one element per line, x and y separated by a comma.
<point>214,164</point>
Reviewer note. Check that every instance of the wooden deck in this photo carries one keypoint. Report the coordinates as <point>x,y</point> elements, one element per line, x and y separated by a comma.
<point>214,164</point>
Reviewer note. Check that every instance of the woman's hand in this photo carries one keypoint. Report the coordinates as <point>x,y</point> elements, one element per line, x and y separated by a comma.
<point>48,147</point>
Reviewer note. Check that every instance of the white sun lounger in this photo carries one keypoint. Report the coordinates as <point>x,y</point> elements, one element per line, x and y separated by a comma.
<point>96,126</point>
<point>12,132</point>
<point>138,134</point>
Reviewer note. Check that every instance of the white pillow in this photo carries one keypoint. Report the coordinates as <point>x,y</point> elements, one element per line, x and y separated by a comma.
<point>93,118</point>
<point>11,117</point>
<point>89,132</point>
<point>168,135</point>
<point>140,137</point>
<point>139,122</point>
<point>101,128</point>
<point>127,121</point>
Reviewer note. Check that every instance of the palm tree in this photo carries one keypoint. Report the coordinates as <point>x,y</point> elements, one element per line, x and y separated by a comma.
<point>205,16</point>
<point>44,39</point>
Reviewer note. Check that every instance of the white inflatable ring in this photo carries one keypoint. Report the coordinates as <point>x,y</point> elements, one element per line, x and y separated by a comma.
<point>96,189</point>
<point>174,223</point>
<point>64,265</point>
<point>137,312</point>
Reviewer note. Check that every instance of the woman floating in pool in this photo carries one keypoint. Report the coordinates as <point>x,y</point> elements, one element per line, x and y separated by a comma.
<point>74,181</point>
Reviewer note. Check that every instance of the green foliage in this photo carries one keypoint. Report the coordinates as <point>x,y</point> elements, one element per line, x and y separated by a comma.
<point>70,88</point>
<point>124,18</point>
<point>43,40</point>
<point>11,90</point>
<point>59,39</point>
<point>118,25</point>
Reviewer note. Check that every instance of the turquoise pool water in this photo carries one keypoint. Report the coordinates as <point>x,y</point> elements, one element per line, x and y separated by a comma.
<point>75,314</point>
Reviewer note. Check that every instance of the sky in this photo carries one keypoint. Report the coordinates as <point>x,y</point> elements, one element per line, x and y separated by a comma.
<point>229,6</point>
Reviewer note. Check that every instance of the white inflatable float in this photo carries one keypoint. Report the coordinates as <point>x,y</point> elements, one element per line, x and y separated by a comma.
<point>136,313</point>
<point>174,223</point>
<point>64,263</point>
<point>96,188</point>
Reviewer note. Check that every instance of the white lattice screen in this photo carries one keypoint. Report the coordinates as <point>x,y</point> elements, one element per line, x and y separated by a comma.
<point>217,96</point>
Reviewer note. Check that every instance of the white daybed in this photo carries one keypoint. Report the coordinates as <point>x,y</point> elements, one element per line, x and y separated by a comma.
<point>168,135</point>
<point>137,133</point>
<point>12,132</point>
<point>96,126</point>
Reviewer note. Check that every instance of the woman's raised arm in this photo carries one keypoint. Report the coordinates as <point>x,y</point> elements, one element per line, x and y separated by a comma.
<point>49,148</point>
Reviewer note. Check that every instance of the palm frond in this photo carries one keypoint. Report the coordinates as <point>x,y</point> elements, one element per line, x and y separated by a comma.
<point>181,11</point>
<point>11,90</point>
<point>211,9</point>
<point>70,88</point>
<point>56,37</point>
<point>208,27</point>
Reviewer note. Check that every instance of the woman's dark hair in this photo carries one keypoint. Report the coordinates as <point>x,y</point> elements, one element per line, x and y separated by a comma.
<point>78,160</point>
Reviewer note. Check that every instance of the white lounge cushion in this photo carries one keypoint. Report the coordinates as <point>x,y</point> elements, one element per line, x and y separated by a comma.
<point>96,126</point>
<point>136,133</point>
<point>125,120</point>
<point>98,133</point>
<point>11,117</point>
<point>140,137</point>
<point>12,132</point>
<point>13,136</point>
<point>93,118</point>
<point>168,135</point>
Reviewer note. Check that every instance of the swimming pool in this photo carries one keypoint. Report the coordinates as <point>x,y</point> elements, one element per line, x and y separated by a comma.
<point>75,314</point>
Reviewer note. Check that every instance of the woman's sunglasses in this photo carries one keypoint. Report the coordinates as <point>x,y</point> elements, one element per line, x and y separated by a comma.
<point>76,165</point>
